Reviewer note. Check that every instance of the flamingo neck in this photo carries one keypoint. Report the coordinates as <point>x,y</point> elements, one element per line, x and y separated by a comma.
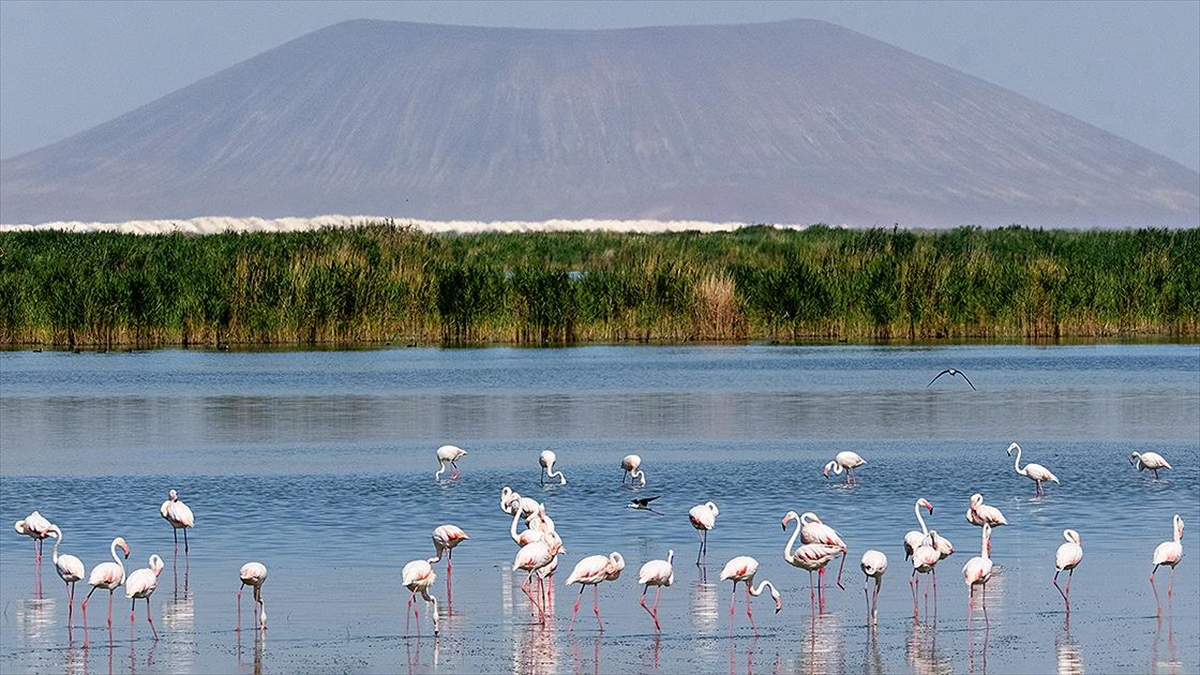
<point>787,548</point>
<point>757,590</point>
<point>516,504</point>
<point>113,549</point>
<point>917,510</point>
<point>1017,461</point>
<point>639,474</point>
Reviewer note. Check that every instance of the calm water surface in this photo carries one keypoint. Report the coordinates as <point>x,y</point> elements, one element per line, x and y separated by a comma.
<point>320,464</point>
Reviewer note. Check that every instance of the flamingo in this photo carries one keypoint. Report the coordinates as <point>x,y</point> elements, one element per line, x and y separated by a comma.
<point>874,564</point>
<point>1168,553</point>
<point>1035,472</point>
<point>34,525</point>
<point>846,461</point>
<point>253,574</point>
<point>980,514</point>
<point>631,463</point>
<point>70,570</point>
<point>547,460</point>
<point>140,585</point>
<point>924,558</point>
<point>109,576</point>
<point>813,531</point>
<point>913,539</point>
<point>1066,559</point>
<point>977,571</point>
<point>742,569</point>
<point>534,556</point>
<point>593,571</point>
<point>657,573</point>
<point>809,557</point>
<point>703,518</point>
<point>418,576</point>
<point>449,454</point>
<point>529,535</point>
<point>952,373</point>
<point>528,505</point>
<point>445,538</point>
<point>540,520</point>
<point>1148,460</point>
<point>179,516</point>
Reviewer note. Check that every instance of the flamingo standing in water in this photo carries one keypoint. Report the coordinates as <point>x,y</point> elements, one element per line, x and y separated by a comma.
<point>109,576</point>
<point>529,535</point>
<point>140,585</point>
<point>179,516</point>
<point>36,526</point>
<point>925,558</point>
<point>913,539</point>
<point>445,538</point>
<point>418,577</point>
<point>449,454</point>
<point>547,460</point>
<point>1066,559</point>
<point>528,506</point>
<point>742,569</point>
<point>1035,472</point>
<point>845,461</point>
<point>1168,553</point>
<point>1148,460</point>
<point>704,518</point>
<point>630,464</point>
<point>809,557</point>
<point>593,571</point>
<point>253,574</point>
<point>980,514</point>
<point>70,570</point>
<point>976,572</point>
<point>874,564</point>
<point>657,573</point>
<point>534,556</point>
<point>814,531</point>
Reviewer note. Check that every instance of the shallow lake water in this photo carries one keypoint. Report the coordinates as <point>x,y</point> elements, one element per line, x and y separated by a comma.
<point>320,464</point>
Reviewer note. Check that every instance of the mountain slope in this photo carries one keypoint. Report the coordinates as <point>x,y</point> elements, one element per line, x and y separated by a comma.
<point>797,122</point>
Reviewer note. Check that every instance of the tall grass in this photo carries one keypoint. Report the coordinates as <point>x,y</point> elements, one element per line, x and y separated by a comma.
<point>387,283</point>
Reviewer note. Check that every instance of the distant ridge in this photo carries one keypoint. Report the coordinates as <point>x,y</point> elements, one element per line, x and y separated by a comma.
<point>793,122</point>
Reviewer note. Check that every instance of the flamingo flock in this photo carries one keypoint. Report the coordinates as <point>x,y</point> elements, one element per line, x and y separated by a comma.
<point>540,547</point>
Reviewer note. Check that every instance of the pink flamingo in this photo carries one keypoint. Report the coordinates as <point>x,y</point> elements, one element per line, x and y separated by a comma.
<point>980,514</point>
<point>1066,559</point>
<point>703,518</point>
<point>36,526</point>
<point>977,572</point>
<point>140,585</point>
<point>70,570</point>
<point>913,539</point>
<point>449,454</point>
<point>657,573</point>
<point>1148,460</point>
<point>845,461</point>
<point>593,571</point>
<point>809,557</point>
<point>418,577</point>
<point>742,569</point>
<point>1035,472</point>
<point>445,538</point>
<point>1168,553</point>
<point>529,534</point>
<point>874,564</point>
<point>179,516</point>
<point>109,576</point>
<point>253,574</point>
<point>630,464</point>
<point>547,460</point>
<point>924,558</point>
<point>813,531</point>
<point>534,556</point>
<point>528,505</point>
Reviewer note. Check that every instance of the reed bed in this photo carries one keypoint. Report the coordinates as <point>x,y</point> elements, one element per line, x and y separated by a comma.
<point>387,283</point>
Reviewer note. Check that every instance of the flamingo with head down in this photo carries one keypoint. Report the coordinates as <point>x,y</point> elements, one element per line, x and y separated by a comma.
<point>846,461</point>
<point>742,569</point>
<point>449,454</point>
<point>873,564</point>
<point>418,577</point>
<point>547,460</point>
<point>1148,460</point>
<point>631,464</point>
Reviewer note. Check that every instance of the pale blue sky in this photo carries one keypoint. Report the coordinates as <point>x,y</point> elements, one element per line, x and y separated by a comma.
<point>1132,68</point>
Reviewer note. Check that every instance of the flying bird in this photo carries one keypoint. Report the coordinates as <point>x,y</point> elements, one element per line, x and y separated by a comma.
<point>951,372</point>
<point>643,503</point>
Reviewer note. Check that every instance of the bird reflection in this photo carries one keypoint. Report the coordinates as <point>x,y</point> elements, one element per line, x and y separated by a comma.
<point>578,662</point>
<point>704,605</point>
<point>35,616</point>
<point>535,649</point>
<point>1172,665</point>
<point>825,642</point>
<point>922,653</point>
<point>749,655</point>
<point>655,650</point>
<point>972,660</point>
<point>260,643</point>
<point>1070,662</point>
<point>872,661</point>
<point>179,618</point>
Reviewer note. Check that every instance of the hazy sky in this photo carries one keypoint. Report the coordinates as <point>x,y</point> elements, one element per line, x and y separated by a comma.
<point>1129,68</point>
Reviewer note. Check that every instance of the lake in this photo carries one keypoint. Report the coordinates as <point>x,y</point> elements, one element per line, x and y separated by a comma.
<point>320,464</point>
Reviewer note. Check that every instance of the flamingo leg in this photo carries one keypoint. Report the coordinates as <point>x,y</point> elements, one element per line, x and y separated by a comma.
<point>596,605</point>
<point>110,596</point>
<point>1060,590</point>
<point>811,598</point>
<point>1067,597</point>
<point>175,532</point>
<point>934,572</point>
<point>983,601</point>
<point>408,616</point>
<point>748,612</point>
<point>732,601</point>
<point>842,567</point>
<point>151,620</point>
<point>1171,583</point>
<point>185,541</point>
<point>70,603</point>
<point>449,561</point>
<point>643,603</point>
<point>576,611</point>
<point>867,597</point>
<point>1156,600</point>
<point>970,604</point>
<point>657,591</point>
<point>875,602</point>
<point>239,611</point>
<point>912,585</point>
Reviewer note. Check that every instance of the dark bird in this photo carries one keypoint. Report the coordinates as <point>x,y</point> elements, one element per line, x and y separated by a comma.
<point>952,372</point>
<point>643,503</point>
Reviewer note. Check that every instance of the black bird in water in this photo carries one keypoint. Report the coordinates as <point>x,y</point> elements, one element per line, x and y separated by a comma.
<point>952,372</point>
<point>643,503</point>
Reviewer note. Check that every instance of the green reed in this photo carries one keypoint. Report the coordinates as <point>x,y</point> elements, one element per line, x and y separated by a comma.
<point>387,283</point>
